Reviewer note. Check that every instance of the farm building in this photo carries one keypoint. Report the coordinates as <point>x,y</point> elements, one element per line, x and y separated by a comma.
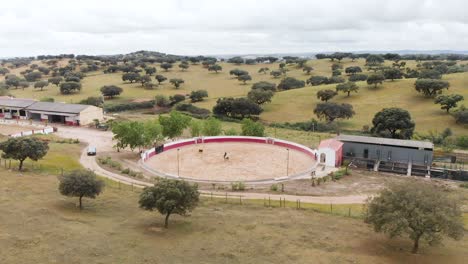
<point>70,114</point>
<point>330,152</point>
<point>409,157</point>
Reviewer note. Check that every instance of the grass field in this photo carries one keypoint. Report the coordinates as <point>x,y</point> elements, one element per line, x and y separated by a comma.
<point>38,225</point>
<point>293,105</point>
<point>61,156</point>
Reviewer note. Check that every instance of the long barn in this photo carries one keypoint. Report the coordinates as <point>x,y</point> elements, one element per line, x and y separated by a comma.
<point>409,157</point>
<point>69,114</point>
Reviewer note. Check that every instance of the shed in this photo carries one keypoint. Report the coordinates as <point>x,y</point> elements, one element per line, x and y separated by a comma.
<point>330,152</point>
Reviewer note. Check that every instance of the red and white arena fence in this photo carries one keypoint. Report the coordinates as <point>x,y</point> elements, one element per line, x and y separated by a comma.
<point>227,139</point>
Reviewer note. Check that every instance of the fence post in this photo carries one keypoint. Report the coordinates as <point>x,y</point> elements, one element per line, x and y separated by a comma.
<point>299,203</point>
<point>349,212</point>
<point>331,208</point>
<point>269,201</point>
<point>9,164</point>
<point>211,196</point>
<point>226,198</point>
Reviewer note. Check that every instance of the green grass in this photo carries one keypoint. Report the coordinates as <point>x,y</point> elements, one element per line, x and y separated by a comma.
<point>41,226</point>
<point>287,106</point>
<point>61,156</point>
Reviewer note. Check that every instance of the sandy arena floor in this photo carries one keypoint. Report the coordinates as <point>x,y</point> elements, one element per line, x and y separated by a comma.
<point>247,162</point>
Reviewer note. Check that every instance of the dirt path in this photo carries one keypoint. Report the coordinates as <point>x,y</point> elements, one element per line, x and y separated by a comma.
<point>102,140</point>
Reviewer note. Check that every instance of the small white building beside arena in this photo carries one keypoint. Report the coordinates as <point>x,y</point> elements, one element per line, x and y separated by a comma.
<point>69,114</point>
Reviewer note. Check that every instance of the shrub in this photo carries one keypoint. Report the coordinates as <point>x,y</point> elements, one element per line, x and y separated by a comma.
<point>462,141</point>
<point>92,100</point>
<point>129,106</point>
<point>464,185</point>
<point>126,171</point>
<point>47,99</point>
<point>176,99</point>
<point>162,100</point>
<point>274,187</point>
<point>238,186</point>
<point>197,96</point>
<point>194,111</point>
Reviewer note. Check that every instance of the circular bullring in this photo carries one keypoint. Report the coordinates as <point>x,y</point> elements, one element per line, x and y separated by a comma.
<point>226,159</point>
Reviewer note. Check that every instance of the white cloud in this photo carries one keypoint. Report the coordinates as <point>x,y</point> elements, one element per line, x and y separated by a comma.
<point>220,27</point>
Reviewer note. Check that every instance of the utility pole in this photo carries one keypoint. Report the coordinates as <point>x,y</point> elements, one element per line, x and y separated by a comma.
<point>178,163</point>
<point>287,164</point>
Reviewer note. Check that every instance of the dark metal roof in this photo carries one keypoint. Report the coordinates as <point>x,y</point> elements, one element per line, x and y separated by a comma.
<point>386,141</point>
<point>16,103</point>
<point>57,107</point>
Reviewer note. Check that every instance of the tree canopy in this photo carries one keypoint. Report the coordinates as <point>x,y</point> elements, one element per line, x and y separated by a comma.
<point>198,95</point>
<point>244,78</point>
<point>290,83</point>
<point>448,102</point>
<point>56,80</point>
<point>111,91</point>
<point>211,127</point>
<point>22,148</point>
<point>251,128</point>
<point>374,60</point>
<point>176,82</point>
<point>135,134</point>
<point>80,183</point>
<point>174,124</point>
<point>419,209</point>
<point>267,86</point>
<point>170,197</point>
<point>160,78</point>
<point>70,87</point>
<point>392,74</point>
<point>215,67</point>
<point>325,95</point>
<point>394,123</point>
<point>347,87</point>
<point>331,111</point>
<point>375,79</point>
<point>430,87</point>
<point>260,96</point>
<point>131,77</point>
<point>353,70</point>
<point>166,66</point>
<point>238,72</point>
<point>236,107</point>
<point>41,84</point>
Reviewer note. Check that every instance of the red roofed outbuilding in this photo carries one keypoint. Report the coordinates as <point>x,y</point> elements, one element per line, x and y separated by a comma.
<point>330,152</point>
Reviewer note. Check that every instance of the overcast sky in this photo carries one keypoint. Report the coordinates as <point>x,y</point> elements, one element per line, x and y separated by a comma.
<point>229,27</point>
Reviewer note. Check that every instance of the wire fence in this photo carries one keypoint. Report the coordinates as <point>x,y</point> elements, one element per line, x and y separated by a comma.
<point>208,198</point>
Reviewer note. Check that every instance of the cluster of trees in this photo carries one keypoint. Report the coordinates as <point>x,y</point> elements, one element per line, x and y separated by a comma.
<point>319,80</point>
<point>146,80</point>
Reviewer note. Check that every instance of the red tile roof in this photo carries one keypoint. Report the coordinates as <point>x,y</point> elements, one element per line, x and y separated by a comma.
<point>331,143</point>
